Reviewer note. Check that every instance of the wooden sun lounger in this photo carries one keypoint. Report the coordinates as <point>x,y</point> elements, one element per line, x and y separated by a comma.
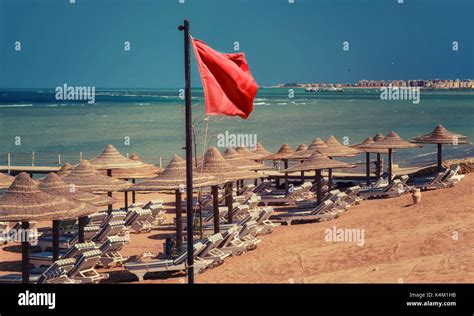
<point>211,252</point>
<point>320,212</point>
<point>84,269</point>
<point>68,240</point>
<point>231,244</point>
<point>54,274</point>
<point>45,258</point>
<point>178,264</point>
<point>111,251</point>
<point>394,189</point>
<point>139,220</point>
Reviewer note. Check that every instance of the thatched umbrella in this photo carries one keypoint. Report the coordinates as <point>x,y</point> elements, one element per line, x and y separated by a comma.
<point>85,178</point>
<point>378,170</point>
<point>261,151</point>
<point>335,149</point>
<point>440,136</point>
<point>25,202</point>
<point>5,180</point>
<point>225,173</point>
<point>54,185</point>
<point>111,160</point>
<point>365,146</point>
<point>147,171</point>
<point>301,155</point>
<point>244,151</point>
<point>173,178</point>
<point>317,162</point>
<point>240,161</point>
<point>390,142</point>
<point>283,154</point>
<point>65,169</point>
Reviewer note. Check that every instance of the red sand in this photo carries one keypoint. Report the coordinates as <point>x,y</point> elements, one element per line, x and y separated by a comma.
<point>403,243</point>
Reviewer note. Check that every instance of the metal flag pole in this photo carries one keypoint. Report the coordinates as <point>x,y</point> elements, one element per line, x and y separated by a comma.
<point>189,151</point>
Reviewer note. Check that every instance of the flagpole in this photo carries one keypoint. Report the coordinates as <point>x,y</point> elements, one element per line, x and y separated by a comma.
<point>189,151</point>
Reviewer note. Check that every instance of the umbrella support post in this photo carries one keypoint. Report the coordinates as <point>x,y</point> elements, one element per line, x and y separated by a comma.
<point>228,201</point>
<point>389,167</point>
<point>55,232</point>
<point>285,163</point>
<point>126,200</point>
<point>25,253</point>
<point>110,207</point>
<point>378,166</point>
<point>318,187</point>
<point>329,179</point>
<point>179,222</point>
<point>133,192</point>
<point>367,167</point>
<point>440,157</point>
<point>215,204</point>
<point>80,231</point>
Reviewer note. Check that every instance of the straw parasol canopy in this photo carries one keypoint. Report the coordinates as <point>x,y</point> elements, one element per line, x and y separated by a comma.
<point>145,172</point>
<point>65,169</point>
<point>378,137</point>
<point>261,151</point>
<point>284,152</point>
<point>24,201</point>
<point>242,162</point>
<point>317,161</point>
<point>316,144</point>
<point>173,177</point>
<point>110,158</point>
<point>5,180</point>
<point>244,151</point>
<point>85,178</point>
<point>440,135</point>
<point>54,185</point>
<point>215,164</point>
<point>366,146</point>
<point>336,149</point>
<point>301,147</point>
<point>392,141</point>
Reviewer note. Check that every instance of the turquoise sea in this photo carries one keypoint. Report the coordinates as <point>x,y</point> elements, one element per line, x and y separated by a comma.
<point>153,122</point>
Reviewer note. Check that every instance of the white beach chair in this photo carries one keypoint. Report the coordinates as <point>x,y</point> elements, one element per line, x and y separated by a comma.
<point>84,269</point>
<point>178,264</point>
<point>45,258</point>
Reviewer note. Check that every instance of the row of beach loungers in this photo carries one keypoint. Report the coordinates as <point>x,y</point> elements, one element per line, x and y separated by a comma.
<point>106,234</point>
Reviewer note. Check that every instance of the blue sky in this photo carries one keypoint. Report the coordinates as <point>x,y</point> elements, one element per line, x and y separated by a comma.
<point>82,43</point>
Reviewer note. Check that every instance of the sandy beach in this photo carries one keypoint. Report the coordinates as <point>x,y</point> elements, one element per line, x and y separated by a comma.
<point>403,243</point>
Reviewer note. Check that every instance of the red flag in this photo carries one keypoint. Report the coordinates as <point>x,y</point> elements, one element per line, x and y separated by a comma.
<point>229,88</point>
